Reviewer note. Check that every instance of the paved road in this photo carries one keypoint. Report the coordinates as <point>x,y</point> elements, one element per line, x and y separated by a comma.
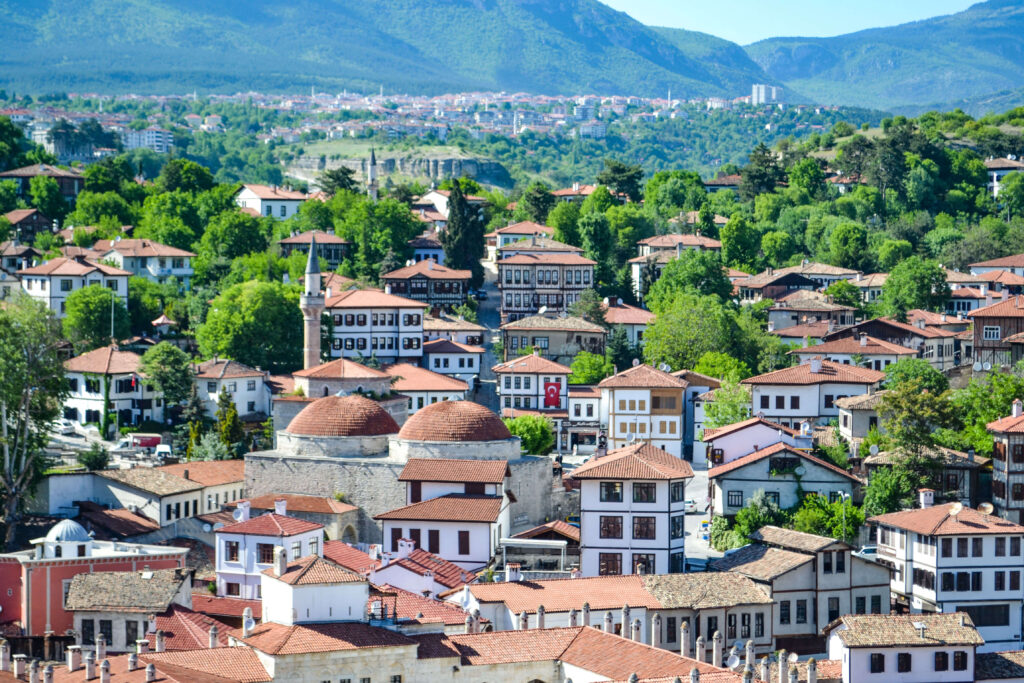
<point>696,489</point>
<point>489,316</point>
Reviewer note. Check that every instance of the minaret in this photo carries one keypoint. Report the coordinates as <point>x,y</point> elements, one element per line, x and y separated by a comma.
<point>312,305</point>
<point>371,176</point>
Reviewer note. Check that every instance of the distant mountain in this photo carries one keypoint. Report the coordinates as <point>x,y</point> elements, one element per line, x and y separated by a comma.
<point>415,46</point>
<point>967,56</point>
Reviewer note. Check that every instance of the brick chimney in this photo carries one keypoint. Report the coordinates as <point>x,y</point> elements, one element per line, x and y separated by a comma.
<point>280,561</point>
<point>926,497</point>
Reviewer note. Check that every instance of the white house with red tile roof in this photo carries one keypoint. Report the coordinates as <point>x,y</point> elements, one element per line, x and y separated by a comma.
<point>730,442</point>
<point>267,200</point>
<point>643,403</point>
<point>311,589</point>
<point>583,420</point>
<point>455,359</point>
<point>515,232</point>
<point>808,391</point>
<point>247,387</point>
<point>782,472</point>
<point>148,259</point>
<point>52,282</point>
<point>369,322</point>
<point>419,571</point>
<point>864,351</point>
<point>129,396</point>
<point>936,344</point>
<point>1011,264</point>
<point>633,318</point>
<point>424,386</point>
<point>245,549</point>
<point>951,558</point>
<point>631,512</point>
<point>532,382</point>
<point>408,606</point>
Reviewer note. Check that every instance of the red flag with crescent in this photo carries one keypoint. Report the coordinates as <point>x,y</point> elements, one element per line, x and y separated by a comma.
<point>551,394</point>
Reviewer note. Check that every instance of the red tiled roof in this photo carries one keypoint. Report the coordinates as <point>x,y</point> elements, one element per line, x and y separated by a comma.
<point>71,266</point>
<point>624,314</point>
<point>1010,308</point>
<point>278,639</point>
<point>642,377</point>
<point>343,416</point>
<point>237,664</point>
<point>106,360</point>
<point>18,215</point>
<point>639,461</point>
<point>448,346</point>
<point>965,293</point>
<point>454,421</point>
<point>553,258</point>
<point>696,379</point>
<point>733,179</point>
<point>446,573</point>
<point>928,332</point>
<point>830,372</point>
<point>852,345</point>
<point>938,520</point>
<point>118,524</point>
<point>271,525</point>
<point>1004,277</point>
<point>1007,425</point>
<point>410,606</point>
<point>295,502</point>
<point>307,238</point>
<point>40,169</point>
<point>225,607</point>
<point>580,191</point>
<point>140,247</point>
<point>451,507</point>
<point>807,330</point>
<point>525,228</point>
<point>562,595</point>
<point>584,391</point>
<point>409,377</point>
<point>209,472</point>
<point>774,449</point>
<point>1013,261</point>
<point>225,368</point>
<point>314,570</point>
<point>672,241</point>
<point>350,558</point>
<point>185,629</point>
<point>455,470</point>
<point>371,298</point>
<point>557,526</point>
<point>428,269</point>
<point>712,434</point>
<point>341,369</point>
<point>274,192</point>
<point>532,364</point>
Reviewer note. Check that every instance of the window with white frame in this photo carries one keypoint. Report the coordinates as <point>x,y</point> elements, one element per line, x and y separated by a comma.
<point>991,332</point>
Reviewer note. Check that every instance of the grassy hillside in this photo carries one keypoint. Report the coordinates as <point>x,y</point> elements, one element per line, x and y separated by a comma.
<point>909,67</point>
<point>423,46</point>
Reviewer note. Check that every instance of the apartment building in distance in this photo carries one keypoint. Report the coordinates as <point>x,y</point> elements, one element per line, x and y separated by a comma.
<point>951,558</point>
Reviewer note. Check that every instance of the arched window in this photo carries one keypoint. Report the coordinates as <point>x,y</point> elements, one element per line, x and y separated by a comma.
<point>58,551</point>
<point>325,390</point>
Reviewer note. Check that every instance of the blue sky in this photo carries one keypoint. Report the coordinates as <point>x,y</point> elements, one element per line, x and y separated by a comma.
<point>747,21</point>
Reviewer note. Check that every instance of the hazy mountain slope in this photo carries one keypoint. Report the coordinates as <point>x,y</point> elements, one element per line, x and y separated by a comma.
<point>726,59</point>
<point>944,59</point>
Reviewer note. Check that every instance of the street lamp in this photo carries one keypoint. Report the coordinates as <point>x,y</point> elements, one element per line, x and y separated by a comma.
<point>843,497</point>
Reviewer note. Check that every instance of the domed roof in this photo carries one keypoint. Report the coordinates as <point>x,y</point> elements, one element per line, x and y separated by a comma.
<point>68,531</point>
<point>343,416</point>
<point>454,421</point>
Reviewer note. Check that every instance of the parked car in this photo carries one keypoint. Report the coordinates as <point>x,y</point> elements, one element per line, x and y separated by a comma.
<point>868,552</point>
<point>64,427</point>
<point>480,295</point>
<point>689,506</point>
<point>696,564</point>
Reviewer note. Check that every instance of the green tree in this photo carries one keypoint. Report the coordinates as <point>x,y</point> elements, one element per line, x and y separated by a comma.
<point>777,246</point>
<point>840,519</point>
<point>762,173</point>
<point>146,301</point>
<point>590,368</point>
<point>87,320</point>
<point>184,175</point>
<point>694,272</point>
<point>228,236</point>
<point>193,415</point>
<point>717,364</point>
<point>338,179</point>
<point>229,425</point>
<point>535,431</point>
<point>211,447</point>
<point>916,370</point>
<point>914,283</point>
<point>596,240</point>
<point>8,196</point>
<point>618,349</point>
<point>463,238</point>
<point>808,175</point>
<point>563,219</point>
<point>170,371</point>
<point>91,208</point>
<point>589,306</point>
<point>599,201</point>
<point>1011,194</point>
<point>848,246</point>
<point>537,202</point>
<point>689,328</point>
<point>730,405</point>
<point>890,489</point>
<point>32,391</point>
<point>94,459</point>
<point>740,242</point>
<point>256,323</point>
<point>910,415</point>
<point>845,293</point>
<point>760,511</point>
<point>622,178</point>
<point>46,196</point>
<point>892,252</point>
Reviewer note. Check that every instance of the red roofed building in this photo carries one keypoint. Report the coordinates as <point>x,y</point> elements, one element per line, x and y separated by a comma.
<point>632,318</point>
<point>423,386</point>
<point>129,396</point>
<point>643,403</point>
<point>455,359</point>
<point>632,517</point>
<point>329,246</point>
<point>863,351</point>
<point>69,180</point>
<point>27,223</point>
<point>1008,463</point>
<point>936,344</point>
<point>370,322</point>
<point>340,519</point>
<point>420,571</point>
<point>993,325</point>
<point>267,200</point>
<point>435,285</point>
<point>52,282</point>
<point>541,274</point>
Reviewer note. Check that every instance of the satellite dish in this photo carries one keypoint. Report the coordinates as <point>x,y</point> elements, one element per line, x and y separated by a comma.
<point>800,470</point>
<point>955,508</point>
<point>237,515</point>
<point>636,362</point>
<point>793,658</point>
<point>986,508</point>
<point>250,624</point>
<point>977,366</point>
<point>733,662</point>
<point>207,528</point>
<point>739,645</point>
<point>987,366</point>
<point>542,310</point>
<point>218,525</point>
<point>874,449</point>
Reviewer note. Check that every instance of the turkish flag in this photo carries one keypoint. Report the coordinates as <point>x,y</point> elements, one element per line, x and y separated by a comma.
<point>551,392</point>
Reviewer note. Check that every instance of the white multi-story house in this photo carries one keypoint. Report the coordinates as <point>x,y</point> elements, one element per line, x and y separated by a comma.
<point>784,473</point>
<point>864,351</point>
<point>516,232</point>
<point>951,558</point>
<point>731,442</point>
<point>265,200</point>
<point>643,404</point>
<point>1008,463</point>
<point>423,386</point>
<point>1011,264</point>
<point>916,648</point>
<point>109,379</point>
<point>247,386</point>
<point>368,322</point>
<point>998,169</point>
<point>541,274</point>
<point>52,282</point>
<point>148,259</point>
<point>813,580</point>
<point>456,509</point>
<point>310,589</point>
<point>584,419</point>
<point>632,519</point>
<point>246,549</point>
<point>156,139</point>
<point>633,318</point>
<point>808,391</point>
<point>454,359</point>
<point>533,382</point>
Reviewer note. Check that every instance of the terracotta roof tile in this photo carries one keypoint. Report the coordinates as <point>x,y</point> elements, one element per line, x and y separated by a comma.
<point>1013,261</point>
<point>557,526</point>
<point>555,258</point>
<point>455,470</point>
<point>209,472</point>
<point>1007,425</point>
<point>830,372</point>
<point>307,238</point>
<point>525,228</point>
<point>938,521</point>
<point>639,461</point>
<point>642,377</point>
<point>793,540</point>
<point>106,360</point>
<point>113,524</point>
<point>343,416</point>
<point>295,502</point>
<point>409,377</point>
<point>409,606</point>
<point>274,192</point>
<point>815,330</point>
<point>583,391</point>
<point>704,590</point>
<point>229,663</point>
<point>427,268</point>
<point>448,346</point>
<point>686,241</point>
<point>140,247</point>
<point>760,562</point>
<point>696,379</point>
<point>562,595</point>
<point>774,449</point>
<point>71,266</point>
<point>40,169</point>
<point>18,215</point>
<point>1010,308</point>
<point>715,433</point>
<point>624,314</point>
<point>451,507</point>
<point>852,345</point>
<point>446,573</point>
<point>370,298</point>
<point>314,570</point>
<point>271,525</point>
<point>454,421</point>
<point>1003,277</point>
<point>341,369</point>
<point>532,364</point>
<point>225,607</point>
<point>901,630</point>
<point>278,639</point>
<point>185,629</point>
<point>349,557</point>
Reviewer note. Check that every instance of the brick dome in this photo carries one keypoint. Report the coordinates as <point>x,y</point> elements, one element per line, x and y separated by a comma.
<point>454,421</point>
<point>342,416</point>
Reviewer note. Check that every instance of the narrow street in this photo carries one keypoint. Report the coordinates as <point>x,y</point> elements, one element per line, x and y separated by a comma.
<point>489,316</point>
